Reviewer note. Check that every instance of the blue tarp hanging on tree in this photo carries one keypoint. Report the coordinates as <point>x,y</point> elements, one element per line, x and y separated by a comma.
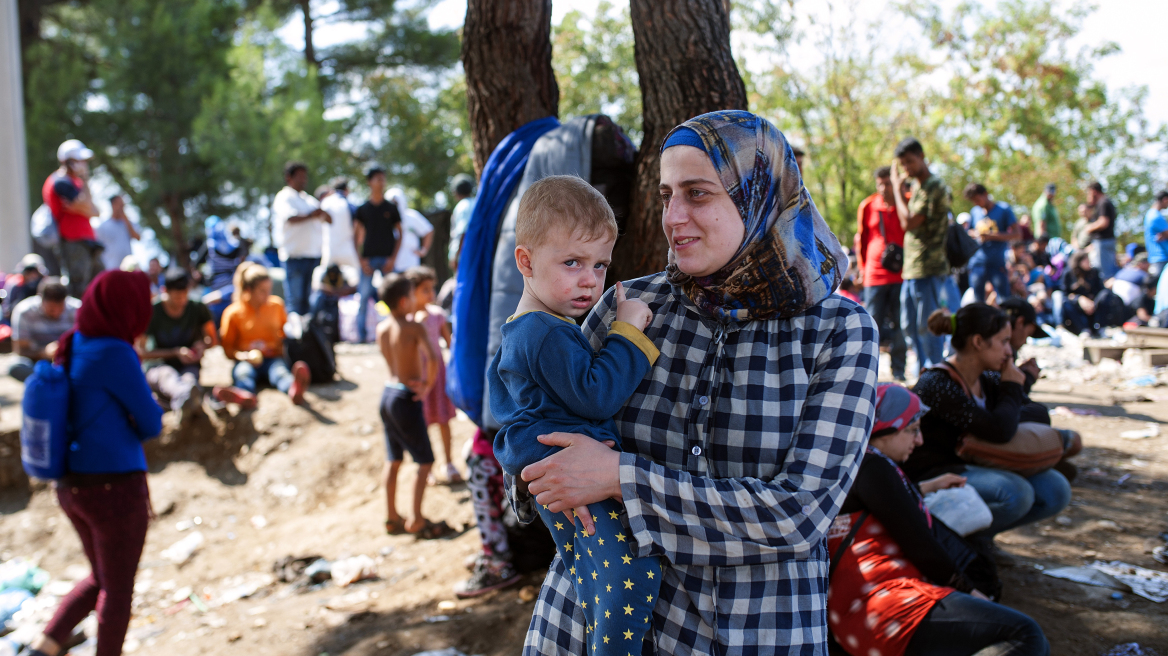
<point>472,293</point>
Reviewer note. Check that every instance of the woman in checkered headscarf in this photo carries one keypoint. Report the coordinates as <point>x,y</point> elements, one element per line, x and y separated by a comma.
<point>741,442</point>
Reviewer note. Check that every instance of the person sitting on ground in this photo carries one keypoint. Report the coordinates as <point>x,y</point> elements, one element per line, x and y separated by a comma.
<point>1075,305</point>
<point>24,284</point>
<point>253,336</point>
<point>413,368</point>
<point>895,587</point>
<point>438,407</point>
<point>545,378</point>
<point>104,494</point>
<point>223,251</point>
<point>180,331</point>
<point>1131,286</point>
<point>991,412</point>
<point>326,301</point>
<point>38,322</point>
<point>1024,325</point>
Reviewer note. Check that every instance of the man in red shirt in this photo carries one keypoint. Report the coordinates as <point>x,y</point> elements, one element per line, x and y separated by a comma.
<point>66,193</point>
<point>877,228</point>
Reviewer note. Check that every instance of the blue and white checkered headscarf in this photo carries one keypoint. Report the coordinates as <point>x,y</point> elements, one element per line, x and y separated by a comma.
<point>789,260</point>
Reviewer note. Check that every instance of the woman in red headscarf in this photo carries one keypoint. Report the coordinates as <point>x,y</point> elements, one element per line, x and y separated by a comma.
<point>895,586</point>
<point>104,494</point>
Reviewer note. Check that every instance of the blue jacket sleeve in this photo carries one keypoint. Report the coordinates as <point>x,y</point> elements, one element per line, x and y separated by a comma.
<point>127,384</point>
<point>593,386</point>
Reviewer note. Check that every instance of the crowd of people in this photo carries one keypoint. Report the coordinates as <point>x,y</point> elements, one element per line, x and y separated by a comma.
<point>662,415</point>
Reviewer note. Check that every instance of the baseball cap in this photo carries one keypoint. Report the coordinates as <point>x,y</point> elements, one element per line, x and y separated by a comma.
<point>32,261</point>
<point>1018,307</point>
<point>1051,188</point>
<point>73,149</point>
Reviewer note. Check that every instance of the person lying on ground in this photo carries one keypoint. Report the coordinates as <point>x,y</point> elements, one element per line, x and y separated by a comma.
<point>180,331</point>
<point>545,379</point>
<point>991,411</point>
<point>38,322</point>
<point>253,336</point>
<point>740,443</point>
<point>413,368</point>
<point>104,493</point>
<point>895,587</point>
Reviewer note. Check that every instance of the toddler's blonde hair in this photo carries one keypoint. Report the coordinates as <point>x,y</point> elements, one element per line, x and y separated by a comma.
<point>563,201</point>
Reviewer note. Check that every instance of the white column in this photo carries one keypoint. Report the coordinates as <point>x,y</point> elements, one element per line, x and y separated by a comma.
<point>14,208</point>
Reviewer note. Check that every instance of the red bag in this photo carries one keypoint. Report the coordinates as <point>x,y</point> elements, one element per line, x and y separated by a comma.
<point>1033,448</point>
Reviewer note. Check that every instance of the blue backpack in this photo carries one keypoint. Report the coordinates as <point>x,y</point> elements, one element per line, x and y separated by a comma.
<point>44,434</point>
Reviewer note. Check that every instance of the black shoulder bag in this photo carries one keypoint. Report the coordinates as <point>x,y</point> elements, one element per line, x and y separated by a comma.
<point>892,259</point>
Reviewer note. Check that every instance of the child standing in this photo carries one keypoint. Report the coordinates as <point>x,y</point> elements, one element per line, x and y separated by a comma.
<point>546,379</point>
<point>437,407</point>
<point>403,344</point>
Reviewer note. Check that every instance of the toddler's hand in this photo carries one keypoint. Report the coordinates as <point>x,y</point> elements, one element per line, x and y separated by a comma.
<point>632,311</point>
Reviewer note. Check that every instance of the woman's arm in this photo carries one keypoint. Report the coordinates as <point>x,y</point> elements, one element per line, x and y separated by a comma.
<point>726,522</point>
<point>881,491</point>
<point>948,400</point>
<point>126,383</point>
<point>230,334</point>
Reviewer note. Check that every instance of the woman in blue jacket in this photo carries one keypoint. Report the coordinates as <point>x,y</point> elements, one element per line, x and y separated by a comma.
<point>104,494</point>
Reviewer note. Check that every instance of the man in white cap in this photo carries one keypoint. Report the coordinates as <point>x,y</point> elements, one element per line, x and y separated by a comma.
<point>66,193</point>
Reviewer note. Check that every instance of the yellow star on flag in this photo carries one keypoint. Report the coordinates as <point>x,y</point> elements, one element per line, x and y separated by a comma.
<point>545,506</point>
<point>577,556</point>
<point>628,584</point>
<point>559,526</point>
<point>595,518</point>
<point>606,563</point>
<point>628,610</point>
<point>601,541</point>
<point>572,570</point>
<point>613,514</point>
<point>648,599</point>
<point>567,546</point>
<point>593,576</point>
<point>628,635</point>
<point>608,588</point>
<point>579,579</point>
<point>627,559</point>
<point>620,537</point>
<point>584,604</point>
<point>597,599</point>
<point>606,640</point>
<point>607,614</point>
<point>650,573</point>
<point>589,553</point>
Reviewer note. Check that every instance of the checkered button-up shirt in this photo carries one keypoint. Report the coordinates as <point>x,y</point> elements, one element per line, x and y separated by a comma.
<point>739,448</point>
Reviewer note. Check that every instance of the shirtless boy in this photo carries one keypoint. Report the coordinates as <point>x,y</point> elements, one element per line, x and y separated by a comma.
<point>405,345</point>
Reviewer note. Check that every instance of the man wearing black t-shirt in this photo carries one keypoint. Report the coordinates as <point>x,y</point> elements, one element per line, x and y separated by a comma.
<point>180,331</point>
<point>1102,214</point>
<point>376,231</point>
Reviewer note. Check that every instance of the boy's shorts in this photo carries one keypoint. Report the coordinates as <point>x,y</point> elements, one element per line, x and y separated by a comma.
<point>405,426</point>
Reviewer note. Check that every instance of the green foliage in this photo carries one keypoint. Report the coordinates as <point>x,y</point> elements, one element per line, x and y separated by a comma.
<point>592,57</point>
<point>995,95</point>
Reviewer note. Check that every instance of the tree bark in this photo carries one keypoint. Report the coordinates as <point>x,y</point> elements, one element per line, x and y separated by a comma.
<point>686,69</point>
<point>173,204</point>
<point>309,49</point>
<point>507,56</point>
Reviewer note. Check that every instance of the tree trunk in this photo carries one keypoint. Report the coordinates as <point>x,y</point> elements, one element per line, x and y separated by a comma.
<point>309,49</point>
<point>686,69</point>
<point>173,204</point>
<point>507,56</point>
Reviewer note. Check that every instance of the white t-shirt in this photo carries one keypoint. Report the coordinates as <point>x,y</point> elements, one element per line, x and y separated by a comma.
<point>300,239</point>
<point>414,227</point>
<point>338,236</point>
<point>114,235</point>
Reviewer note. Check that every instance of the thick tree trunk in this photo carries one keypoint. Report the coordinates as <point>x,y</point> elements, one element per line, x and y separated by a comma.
<point>173,204</point>
<point>309,49</point>
<point>686,68</point>
<point>507,56</point>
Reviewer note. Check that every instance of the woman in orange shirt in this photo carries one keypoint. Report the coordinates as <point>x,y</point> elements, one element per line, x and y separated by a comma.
<point>252,333</point>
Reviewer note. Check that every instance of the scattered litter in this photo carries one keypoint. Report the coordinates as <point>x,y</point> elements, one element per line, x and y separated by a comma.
<point>1123,479</point>
<point>198,603</point>
<point>184,525</point>
<point>1117,595</point>
<point>354,601</point>
<point>242,587</point>
<point>449,651</point>
<point>1147,380</point>
<point>259,521</point>
<point>1106,525</point>
<point>1063,520</point>
<point>960,508</point>
<point>1130,649</point>
<point>1151,430</point>
<point>10,603</point>
<point>1087,575</point>
<point>385,551</point>
<point>1160,554</point>
<point>1076,412</point>
<point>181,551</point>
<point>436,619</point>
<point>351,570</point>
<point>447,605</point>
<point>19,574</point>
<point>283,491</point>
<point>1147,583</point>
<point>319,571</point>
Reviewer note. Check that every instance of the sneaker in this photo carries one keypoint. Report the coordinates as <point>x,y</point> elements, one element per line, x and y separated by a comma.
<point>301,376</point>
<point>243,399</point>
<point>191,409</point>
<point>489,575</point>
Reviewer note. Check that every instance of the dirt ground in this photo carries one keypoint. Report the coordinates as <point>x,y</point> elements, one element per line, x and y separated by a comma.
<point>312,474</point>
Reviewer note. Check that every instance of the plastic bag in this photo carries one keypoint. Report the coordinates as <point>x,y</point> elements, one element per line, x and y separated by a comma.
<point>961,508</point>
<point>351,570</point>
<point>19,574</point>
<point>181,551</point>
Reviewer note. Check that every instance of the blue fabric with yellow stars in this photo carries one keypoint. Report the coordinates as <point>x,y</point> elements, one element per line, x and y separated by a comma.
<point>615,591</point>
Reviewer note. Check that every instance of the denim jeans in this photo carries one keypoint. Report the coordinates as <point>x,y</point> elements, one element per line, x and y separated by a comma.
<point>298,282</point>
<point>999,277</point>
<point>1102,255</point>
<point>174,386</point>
<point>883,303</point>
<point>21,368</point>
<point>365,291</point>
<point>1014,500</point>
<point>963,625</point>
<point>274,371</point>
<point>918,299</point>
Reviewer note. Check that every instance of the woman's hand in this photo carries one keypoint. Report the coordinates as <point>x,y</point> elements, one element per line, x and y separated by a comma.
<point>1011,373</point>
<point>942,482</point>
<point>584,472</point>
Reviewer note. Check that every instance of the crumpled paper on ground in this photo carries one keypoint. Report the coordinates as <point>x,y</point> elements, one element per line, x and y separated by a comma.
<point>1147,583</point>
